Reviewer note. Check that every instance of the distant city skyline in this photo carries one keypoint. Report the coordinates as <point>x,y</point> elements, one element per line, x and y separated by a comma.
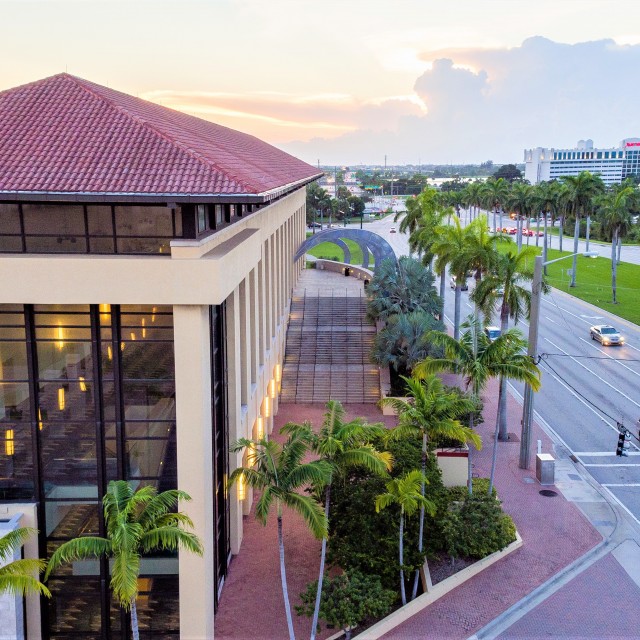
<point>348,82</point>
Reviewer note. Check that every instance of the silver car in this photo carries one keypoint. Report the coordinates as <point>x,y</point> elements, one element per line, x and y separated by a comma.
<point>606,334</point>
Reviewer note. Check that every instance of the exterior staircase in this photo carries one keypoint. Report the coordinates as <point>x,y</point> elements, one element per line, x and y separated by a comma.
<point>327,355</point>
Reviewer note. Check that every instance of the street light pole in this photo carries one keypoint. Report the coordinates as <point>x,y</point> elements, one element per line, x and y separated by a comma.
<point>532,352</point>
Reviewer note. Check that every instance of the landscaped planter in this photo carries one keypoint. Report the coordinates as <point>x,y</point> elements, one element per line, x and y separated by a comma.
<point>453,462</point>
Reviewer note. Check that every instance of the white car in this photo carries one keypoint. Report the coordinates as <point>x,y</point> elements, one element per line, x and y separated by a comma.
<point>606,335</point>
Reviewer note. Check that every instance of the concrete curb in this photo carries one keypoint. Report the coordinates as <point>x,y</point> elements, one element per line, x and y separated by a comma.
<point>442,588</point>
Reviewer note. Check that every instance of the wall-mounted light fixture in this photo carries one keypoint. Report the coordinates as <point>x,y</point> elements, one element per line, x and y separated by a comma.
<point>133,335</point>
<point>242,489</point>
<point>9,443</point>
<point>259,428</point>
<point>272,389</point>
<point>40,424</point>
<point>83,384</point>
<point>277,372</point>
<point>154,310</point>
<point>109,352</point>
<point>266,407</point>
<point>61,399</point>
<point>143,324</point>
<point>60,336</point>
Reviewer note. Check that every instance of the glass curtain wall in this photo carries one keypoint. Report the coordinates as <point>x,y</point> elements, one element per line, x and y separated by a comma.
<point>87,395</point>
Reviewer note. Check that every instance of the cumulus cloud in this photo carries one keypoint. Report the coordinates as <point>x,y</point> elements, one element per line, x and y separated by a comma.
<point>493,103</point>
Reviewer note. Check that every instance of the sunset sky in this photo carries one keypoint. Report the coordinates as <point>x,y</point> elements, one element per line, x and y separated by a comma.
<point>349,81</point>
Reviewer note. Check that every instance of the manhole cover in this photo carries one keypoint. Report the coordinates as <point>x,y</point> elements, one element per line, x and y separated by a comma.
<point>548,493</point>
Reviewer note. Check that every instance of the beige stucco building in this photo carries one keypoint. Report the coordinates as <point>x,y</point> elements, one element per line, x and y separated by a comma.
<point>147,264</point>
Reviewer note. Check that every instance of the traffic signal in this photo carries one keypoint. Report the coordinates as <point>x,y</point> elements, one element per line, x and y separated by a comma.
<point>622,448</point>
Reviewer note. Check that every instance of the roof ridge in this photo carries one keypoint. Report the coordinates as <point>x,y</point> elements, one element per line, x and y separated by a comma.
<point>88,86</point>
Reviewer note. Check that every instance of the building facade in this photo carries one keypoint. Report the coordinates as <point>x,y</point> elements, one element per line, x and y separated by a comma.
<point>613,164</point>
<point>147,262</point>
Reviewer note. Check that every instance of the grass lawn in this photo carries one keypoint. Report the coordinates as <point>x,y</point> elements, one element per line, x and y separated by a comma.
<point>593,282</point>
<point>331,251</point>
<point>554,231</point>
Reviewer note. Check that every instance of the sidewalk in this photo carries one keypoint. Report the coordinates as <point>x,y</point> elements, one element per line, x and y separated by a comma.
<point>596,602</point>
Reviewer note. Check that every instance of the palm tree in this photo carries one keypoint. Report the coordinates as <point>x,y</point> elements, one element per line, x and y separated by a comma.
<point>278,471</point>
<point>342,445</point>
<point>615,214</point>
<point>403,342</point>
<point>432,413</point>
<point>450,248</point>
<point>17,576</point>
<point>495,194</point>
<point>405,492</point>
<point>521,200</point>
<point>137,523</point>
<point>473,197</point>
<point>581,191</point>
<point>512,272</point>
<point>473,357</point>
<point>402,288</point>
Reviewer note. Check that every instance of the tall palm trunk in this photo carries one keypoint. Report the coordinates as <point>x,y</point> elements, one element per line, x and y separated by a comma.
<point>283,577</point>
<point>545,240</point>
<point>518,233</point>
<point>501,420</point>
<point>401,552</point>
<point>469,462</point>
<point>495,215</point>
<point>614,266</point>
<point>561,231</point>
<point>323,554</point>
<point>576,233</point>
<point>414,592</point>
<point>456,314</point>
<point>501,217</point>
<point>619,248</point>
<point>135,633</point>
<point>538,230</point>
<point>443,288</point>
<point>588,229</point>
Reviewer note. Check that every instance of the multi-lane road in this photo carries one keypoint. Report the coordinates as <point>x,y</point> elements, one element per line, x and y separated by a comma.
<point>586,388</point>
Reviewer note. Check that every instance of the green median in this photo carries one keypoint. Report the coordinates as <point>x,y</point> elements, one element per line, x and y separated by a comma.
<point>593,282</point>
<point>331,251</point>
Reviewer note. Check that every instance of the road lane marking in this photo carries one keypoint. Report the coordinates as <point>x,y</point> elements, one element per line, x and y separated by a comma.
<point>550,320</point>
<point>594,454</point>
<point>631,484</point>
<point>603,352</point>
<point>613,464</point>
<point>592,373</point>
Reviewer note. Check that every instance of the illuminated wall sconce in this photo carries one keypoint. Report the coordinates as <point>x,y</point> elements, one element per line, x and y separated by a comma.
<point>83,384</point>
<point>251,455</point>
<point>60,336</point>
<point>133,335</point>
<point>104,309</point>
<point>61,399</point>
<point>277,372</point>
<point>9,443</point>
<point>266,407</point>
<point>242,488</point>
<point>272,389</point>
<point>259,428</point>
<point>109,352</point>
<point>122,346</point>
<point>144,328</point>
<point>40,424</point>
<point>153,313</point>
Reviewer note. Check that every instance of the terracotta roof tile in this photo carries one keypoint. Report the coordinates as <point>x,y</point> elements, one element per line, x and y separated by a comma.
<point>66,134</point>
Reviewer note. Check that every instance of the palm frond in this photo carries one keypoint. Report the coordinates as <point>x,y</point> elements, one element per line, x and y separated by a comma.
<point>316,473</point>
<point>14,540</point>
<point>310,510</point>
<point>171,537</point>
<point>78,549</point>
<point>159,505</point>
<point>22,585</point>
<point>124,577</point>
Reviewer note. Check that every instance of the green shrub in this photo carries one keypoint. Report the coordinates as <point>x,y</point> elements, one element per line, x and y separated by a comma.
<point>477,527</point>
<point>363,540</point>
<point>347,600</point>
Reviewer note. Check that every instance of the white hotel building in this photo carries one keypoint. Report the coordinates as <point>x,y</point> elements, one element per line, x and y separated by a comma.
<point>613,164</point>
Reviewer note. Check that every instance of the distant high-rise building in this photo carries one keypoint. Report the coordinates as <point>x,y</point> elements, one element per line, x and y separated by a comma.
<point>613,164</point>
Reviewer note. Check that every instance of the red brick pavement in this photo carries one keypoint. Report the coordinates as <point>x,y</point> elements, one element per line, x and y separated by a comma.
<point>601,602</point>
<point>554,531</point>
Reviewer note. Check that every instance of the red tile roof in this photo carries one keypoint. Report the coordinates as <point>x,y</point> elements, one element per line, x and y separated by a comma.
<point>65,134</point>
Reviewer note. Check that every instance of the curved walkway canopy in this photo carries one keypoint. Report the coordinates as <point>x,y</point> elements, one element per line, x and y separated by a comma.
<point>366,240</point>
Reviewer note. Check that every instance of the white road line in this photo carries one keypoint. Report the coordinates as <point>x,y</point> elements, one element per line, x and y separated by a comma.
<point>550,320</point>
<point>637,464</point>
<point>598,454</point>
<point>631,484</point>
<point>593,374</point>
<point>603,352</point>
<point>613,496</point>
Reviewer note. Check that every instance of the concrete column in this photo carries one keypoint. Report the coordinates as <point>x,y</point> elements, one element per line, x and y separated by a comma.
<point>268,292</point>
<point>234,410</point>
<point>254,320</point>
<point>262,314</point>
<point>245,339</point>
<point>192,344</point>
